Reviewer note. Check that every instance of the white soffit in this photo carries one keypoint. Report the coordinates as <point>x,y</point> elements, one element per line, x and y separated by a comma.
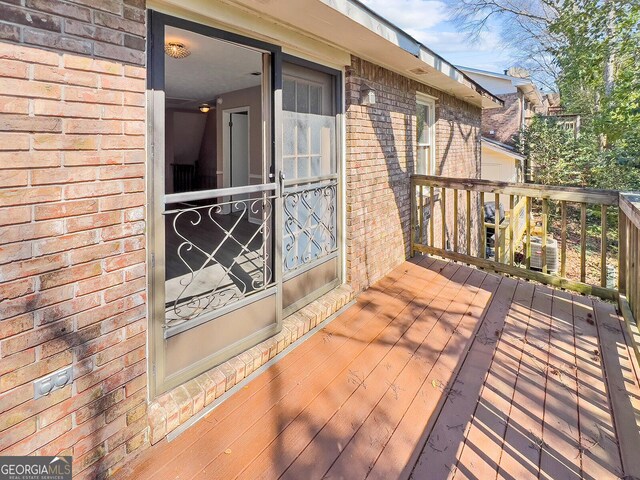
<point>343,25</point>
<point>350,25</point>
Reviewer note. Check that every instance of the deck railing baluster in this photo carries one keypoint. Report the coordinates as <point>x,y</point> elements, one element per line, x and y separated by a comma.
<point>496,227</point>
<point>545,229</point>
<point>483,228</point>
<point>432,216</point>
<point>421,214</point>
<point>583,242</point>
<point>563,239</point>
<point>455,220</point>
<point>511,220</point>
<point>443,215</point>
<point>603,246</point>
<point>528,229</point>
<point>468,220</point>
<point>513,245</point>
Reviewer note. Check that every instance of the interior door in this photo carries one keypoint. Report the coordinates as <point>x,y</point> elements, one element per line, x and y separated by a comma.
<point>216,274</point>
<point>239,152</point>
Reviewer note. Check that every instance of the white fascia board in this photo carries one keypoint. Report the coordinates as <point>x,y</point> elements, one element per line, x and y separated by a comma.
<point>320,29</point>
<point>502,150</point>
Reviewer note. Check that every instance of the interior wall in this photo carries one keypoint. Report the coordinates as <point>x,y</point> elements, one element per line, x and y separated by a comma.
<point>187,133</point>
<point>252,98</point>
<point>208,151</point>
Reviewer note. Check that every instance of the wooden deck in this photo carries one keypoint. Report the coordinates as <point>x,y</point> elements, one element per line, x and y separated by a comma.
<point>438,371</point>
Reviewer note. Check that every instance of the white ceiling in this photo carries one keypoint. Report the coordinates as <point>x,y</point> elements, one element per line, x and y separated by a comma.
<point>213,68</point>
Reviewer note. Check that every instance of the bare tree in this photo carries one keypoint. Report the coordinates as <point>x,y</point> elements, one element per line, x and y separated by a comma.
<point>524,28</point>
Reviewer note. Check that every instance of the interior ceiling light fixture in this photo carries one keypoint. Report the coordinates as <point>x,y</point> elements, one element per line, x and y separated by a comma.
<point>176,50</point>
<point>204,108</point>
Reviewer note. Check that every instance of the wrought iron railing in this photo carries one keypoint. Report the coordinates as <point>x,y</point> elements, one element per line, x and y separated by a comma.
<point>310,221</point>
<point>585,240</point>
<point>218,253</point>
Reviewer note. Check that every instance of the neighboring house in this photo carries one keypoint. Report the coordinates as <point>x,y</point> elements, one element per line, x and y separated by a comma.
<point>522,100</point>
<point>178,180</point>
<point>501,162</point>
<point>500,127</point>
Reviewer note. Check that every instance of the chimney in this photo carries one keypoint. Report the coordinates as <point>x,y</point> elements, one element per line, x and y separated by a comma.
<point>518,72</point>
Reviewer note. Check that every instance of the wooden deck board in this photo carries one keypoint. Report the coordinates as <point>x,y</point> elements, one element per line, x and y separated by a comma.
<point>520,457</point>
<point>560,451</point>
<point>600,454</point>
<point>353,361</point>
<point>624,392</point>
<point>361,453</point>
<point>483,442</point>
<point>438,371</point>
<point>446,441</point>
<point>320,454</point>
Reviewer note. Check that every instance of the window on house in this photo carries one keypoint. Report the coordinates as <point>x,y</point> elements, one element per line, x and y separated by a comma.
<point>425,139</point>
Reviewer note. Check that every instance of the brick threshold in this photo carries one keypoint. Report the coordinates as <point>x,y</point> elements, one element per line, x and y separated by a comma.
<point>175,411</point>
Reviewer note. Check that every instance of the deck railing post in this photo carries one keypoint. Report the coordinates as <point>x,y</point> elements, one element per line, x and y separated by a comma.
<point>455,220</point>
<point>412,224</point>
<point>622,252</point>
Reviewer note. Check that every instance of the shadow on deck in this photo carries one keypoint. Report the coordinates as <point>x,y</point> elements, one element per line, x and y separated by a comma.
<point>438,371</point>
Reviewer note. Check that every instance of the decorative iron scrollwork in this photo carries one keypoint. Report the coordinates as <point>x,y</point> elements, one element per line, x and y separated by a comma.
<point>224,256</point>
<point>309,224</point>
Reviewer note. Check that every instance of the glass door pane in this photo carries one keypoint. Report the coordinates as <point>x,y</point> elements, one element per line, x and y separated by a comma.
<point>218,207</point>
<point>311,186</point>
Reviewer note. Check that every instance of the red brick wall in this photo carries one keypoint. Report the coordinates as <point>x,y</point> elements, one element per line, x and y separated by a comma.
<point>380,160</point>
<point>72,222</point>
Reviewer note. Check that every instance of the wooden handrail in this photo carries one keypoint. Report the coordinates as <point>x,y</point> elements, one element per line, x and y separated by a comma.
<point>570,194</point>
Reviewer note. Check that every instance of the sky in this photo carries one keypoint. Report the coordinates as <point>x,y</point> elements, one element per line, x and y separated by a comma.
<point>428,22</point>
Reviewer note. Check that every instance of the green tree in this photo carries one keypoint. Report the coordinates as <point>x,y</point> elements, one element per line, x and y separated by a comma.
<point>599,65</point>
<point>590,51</point>
<point>556,156</point>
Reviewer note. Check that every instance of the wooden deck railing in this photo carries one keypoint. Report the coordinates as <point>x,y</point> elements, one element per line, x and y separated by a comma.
<point>584,240</point>
<point>629,255</point>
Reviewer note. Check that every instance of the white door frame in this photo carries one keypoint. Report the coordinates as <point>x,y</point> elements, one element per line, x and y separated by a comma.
<point>226,153</point>
<point>226,135</point>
